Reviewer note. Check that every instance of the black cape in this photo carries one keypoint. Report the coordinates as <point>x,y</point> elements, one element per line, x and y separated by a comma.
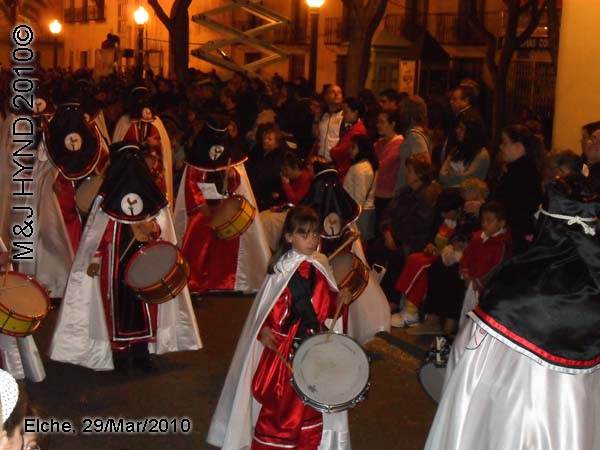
<point>546,301</point>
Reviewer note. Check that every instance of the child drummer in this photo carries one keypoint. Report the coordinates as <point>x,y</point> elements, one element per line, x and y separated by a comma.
<point>258,407</point>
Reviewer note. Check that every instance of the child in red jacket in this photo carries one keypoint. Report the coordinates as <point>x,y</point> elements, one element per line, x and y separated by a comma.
<point>486,251</point>
<point>488,247</point>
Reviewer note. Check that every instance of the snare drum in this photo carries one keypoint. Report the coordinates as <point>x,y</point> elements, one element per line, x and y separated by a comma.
<point>157,272</point>
<point>331,372</point>
<point>23,304</point>
<point>87,191</point>
<point>232,217</point>
<point>350,272</point>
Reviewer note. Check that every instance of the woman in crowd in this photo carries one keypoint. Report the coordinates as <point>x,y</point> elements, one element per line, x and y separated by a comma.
<point>470,158</point>
<point>519,188</point>
<point>413,111</point>
<point>408,221</point>
<point>387,150</point>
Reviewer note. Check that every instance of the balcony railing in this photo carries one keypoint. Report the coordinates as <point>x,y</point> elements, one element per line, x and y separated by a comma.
<point>73,15</point>
<point>288,34</point>
<point>446,28</point>
<point>335,31</point>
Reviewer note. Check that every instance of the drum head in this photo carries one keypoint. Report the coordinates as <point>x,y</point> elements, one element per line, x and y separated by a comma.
<point>342,265</point>
<point>331,373</point>
<point>226,210</point>
<point>23,295</point>
<point>151,264</point>
<point>86,192</point>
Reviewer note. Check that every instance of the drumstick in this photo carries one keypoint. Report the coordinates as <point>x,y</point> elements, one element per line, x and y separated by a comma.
<point>335,318</point>
<point>226,175</point>
<point>351,239</point>
<point>284,360</point>
<point>7,267</point>
<point>127,249</point>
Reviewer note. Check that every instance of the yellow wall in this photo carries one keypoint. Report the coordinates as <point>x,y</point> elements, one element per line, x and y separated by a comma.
<point>43,43</point>
<point>578,79</point>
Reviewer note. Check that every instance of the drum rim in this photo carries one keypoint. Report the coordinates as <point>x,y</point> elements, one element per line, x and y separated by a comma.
<point>358,265</point>
<point>339,406</point>
<point>242,209</point>
<point>234,197</point>
<point>140,252</point>
<point>40,288</point>
<point>184,268</point>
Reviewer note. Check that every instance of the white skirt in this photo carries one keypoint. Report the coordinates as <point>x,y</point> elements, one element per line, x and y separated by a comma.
<point>496,398</point>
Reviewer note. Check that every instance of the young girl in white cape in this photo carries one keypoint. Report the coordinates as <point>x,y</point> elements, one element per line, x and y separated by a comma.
<point>258,407</point>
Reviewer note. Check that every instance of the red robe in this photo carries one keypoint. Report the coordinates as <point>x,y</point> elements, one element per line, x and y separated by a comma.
<point>128,319</point>
<point>213,261</point>
<point>284,421</point>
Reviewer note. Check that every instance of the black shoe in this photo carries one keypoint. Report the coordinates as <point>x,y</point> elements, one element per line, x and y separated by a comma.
<point>145,364</point>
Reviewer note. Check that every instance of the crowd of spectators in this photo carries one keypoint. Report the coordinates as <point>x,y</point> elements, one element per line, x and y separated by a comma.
<point>398,155</point>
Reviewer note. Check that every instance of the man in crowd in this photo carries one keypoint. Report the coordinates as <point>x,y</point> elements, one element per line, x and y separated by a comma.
<point>331,120</point>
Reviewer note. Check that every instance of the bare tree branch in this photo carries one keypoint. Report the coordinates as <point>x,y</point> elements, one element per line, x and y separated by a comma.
<point>536,15</point>
<point>160,12</point>
<point>375,11</point>
<point>513,22</point>
<point>475,23</point>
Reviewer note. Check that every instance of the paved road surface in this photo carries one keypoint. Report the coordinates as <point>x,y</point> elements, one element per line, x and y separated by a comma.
<point>396,415</point>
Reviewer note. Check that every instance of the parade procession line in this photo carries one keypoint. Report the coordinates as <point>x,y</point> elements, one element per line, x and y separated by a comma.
<point>395,416</point>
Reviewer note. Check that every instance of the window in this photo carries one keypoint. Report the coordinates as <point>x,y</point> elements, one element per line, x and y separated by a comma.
<point>296,68</point>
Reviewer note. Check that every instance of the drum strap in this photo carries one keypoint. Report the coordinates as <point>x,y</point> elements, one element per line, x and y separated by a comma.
<point>302,308</point>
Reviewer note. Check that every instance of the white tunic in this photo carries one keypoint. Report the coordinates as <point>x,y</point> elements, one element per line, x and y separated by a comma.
<point>496,398</point>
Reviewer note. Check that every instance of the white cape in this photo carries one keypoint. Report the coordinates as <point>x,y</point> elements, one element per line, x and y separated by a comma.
<point>20,355</point>
<point>370,313</point>
<point>254,252</point>
<point>496,398</point>
<point>52,250</point>
<point>81,334</point>
<point>100,123</point>
<point>232,425</point>
<point>121,129</point>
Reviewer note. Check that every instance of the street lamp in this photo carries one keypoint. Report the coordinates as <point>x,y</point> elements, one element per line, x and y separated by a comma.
<point>140,16</point>
<point>55,29</point>
<point>314,6</point>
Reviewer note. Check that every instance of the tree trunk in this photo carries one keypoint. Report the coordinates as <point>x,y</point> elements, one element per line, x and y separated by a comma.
<point>364,20</point>
<point>553,31</point>
<point>359,54</point>
<point>179,45</point>
<point>499,110</point>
